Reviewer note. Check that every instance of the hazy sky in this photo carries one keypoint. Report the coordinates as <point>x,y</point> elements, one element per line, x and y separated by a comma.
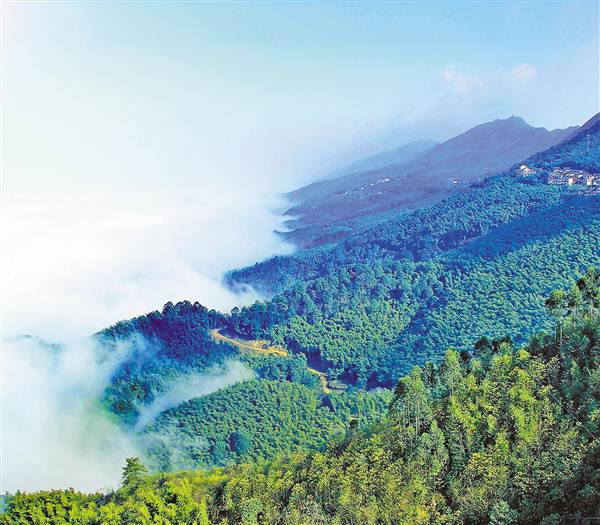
<point>144,142</point>
<point>154,92</point>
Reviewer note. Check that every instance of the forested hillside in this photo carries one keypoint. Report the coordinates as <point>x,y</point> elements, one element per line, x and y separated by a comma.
<point>162,345</point>
<point>397,294</point>
<point>265,405</point>
<point>371,321</point>
<point>507,434</point>
<point>490,431</point>
<point>363,311</point>
<point>255,420</point>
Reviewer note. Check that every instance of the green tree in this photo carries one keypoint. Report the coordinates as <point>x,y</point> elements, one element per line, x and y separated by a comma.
<point>502,514</point>
<point>203,513</point>
<point>557,306</point>
<point>134,473</point>
<point>411,408</point>
<point>589,285</point>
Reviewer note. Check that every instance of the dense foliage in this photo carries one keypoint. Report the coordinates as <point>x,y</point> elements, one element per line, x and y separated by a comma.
<point>255,420</point>
<point>398,293</point>
<point>284,407</point>
<point>418,235</point>
<point>160,346</point>
<point>508,435</point>
<point>370,321</point>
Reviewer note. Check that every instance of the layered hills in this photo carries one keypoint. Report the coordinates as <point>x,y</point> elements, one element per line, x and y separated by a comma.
<point>313,369</point>
<point>363,311</point>
<point>418,174</point>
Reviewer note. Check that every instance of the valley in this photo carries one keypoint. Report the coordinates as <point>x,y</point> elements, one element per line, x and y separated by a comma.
<point>379,345</point>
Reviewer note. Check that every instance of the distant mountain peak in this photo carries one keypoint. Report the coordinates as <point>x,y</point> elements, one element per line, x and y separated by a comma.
<point>390,182</point>
<point>512,122</point>
<point>513,119</point>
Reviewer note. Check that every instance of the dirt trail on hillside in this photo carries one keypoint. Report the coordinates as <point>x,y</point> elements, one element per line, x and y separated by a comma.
<point>262,347</point>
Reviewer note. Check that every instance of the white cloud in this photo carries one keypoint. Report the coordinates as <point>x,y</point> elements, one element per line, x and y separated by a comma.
<point>194,385</point>
<point>524,73</point>
<point>54,433</point>
<point>461,82</point>
<point>75,263</point>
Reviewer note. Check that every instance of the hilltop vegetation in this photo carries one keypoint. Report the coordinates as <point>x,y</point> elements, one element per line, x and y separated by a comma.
<point>162,346</point>
<point>283,408</point>
<point>508,435</point>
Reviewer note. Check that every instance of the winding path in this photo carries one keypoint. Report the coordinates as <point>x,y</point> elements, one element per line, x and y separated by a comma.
<point>262,347</point>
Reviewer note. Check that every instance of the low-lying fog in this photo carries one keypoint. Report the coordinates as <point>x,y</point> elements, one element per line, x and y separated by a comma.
<point>79,263</point>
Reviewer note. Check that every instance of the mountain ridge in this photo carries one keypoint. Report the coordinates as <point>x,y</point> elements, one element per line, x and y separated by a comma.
<point>444,169</point>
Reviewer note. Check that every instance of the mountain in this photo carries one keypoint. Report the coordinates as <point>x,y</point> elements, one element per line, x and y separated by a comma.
<point>339,180</point>
<point>342,323</point>
<point>345,321</point>
<point>503,435</point>
<point>399,292</point>
<point>331,210</point>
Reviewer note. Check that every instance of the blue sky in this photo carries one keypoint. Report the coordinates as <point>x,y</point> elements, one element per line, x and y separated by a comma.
<point>144,142</point>
<point>312,80</point>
